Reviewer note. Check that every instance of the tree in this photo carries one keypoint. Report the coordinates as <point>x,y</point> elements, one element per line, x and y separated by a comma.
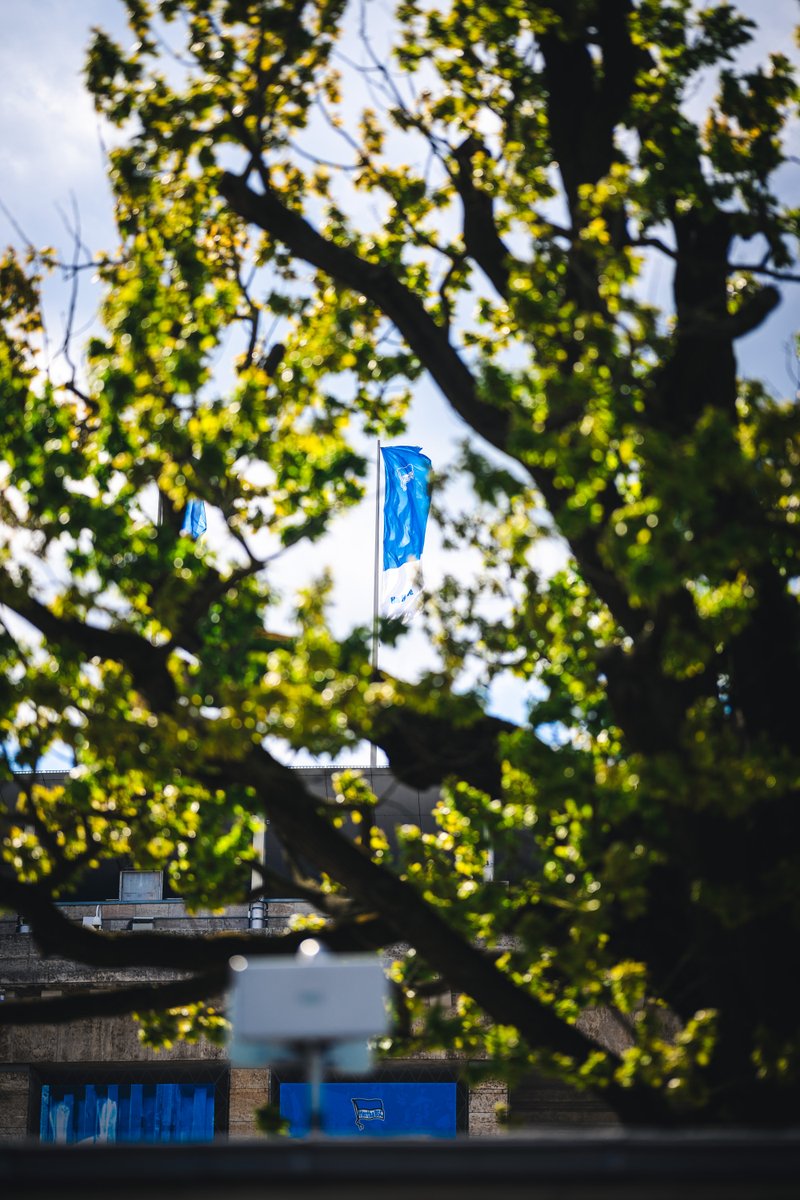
<point>521,163</point>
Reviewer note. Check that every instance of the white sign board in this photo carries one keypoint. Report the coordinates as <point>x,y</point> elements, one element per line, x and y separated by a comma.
<point>279,1004</point>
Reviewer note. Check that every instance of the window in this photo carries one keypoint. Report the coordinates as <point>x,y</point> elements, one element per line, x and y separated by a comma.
<point>141,887</point>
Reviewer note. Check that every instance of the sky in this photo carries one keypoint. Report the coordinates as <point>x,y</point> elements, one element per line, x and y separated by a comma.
<point>53,152</point>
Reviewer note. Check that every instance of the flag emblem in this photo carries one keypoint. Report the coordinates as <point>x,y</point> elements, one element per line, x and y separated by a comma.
<point>367,1110</point>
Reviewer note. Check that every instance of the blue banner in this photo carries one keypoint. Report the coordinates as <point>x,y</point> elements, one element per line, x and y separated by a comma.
<point>374,1109</point>
<point>127,1112</point>
<point>405,505</point>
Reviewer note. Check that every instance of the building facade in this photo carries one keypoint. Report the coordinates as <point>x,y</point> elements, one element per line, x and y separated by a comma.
<point>93,1080</point>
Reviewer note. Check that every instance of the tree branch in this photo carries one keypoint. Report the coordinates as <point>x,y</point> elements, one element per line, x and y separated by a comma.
<point>481,238</point>
<point>297,822</point>
<point>114,1002</point>
<point>147,663</point>
<point>414,920</point>
<point>378,283</point>
<point>760,269</point>
<point>752,313</point>
<point>57,936</point>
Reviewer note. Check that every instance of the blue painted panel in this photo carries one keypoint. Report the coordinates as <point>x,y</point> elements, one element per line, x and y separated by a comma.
<point>44,1115</point>
<point>374,1109</point>
<point>127,1112</point>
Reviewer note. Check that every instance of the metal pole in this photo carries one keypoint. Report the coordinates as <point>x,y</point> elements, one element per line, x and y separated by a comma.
<point>314,1073</point>
<point>258,905</point>
<point>373,750</point>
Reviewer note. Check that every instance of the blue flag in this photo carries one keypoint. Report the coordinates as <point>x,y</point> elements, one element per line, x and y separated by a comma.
<point>405,515</point>
<point>194,519</point>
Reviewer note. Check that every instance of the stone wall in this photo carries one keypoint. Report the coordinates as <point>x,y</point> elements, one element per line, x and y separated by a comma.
<point>487,1103</point>
<point>13,1103</point>
<point>539,1103</point>
<point>249,1090</point>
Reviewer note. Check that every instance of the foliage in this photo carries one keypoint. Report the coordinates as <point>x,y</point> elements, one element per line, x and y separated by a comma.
<point>485,219</point>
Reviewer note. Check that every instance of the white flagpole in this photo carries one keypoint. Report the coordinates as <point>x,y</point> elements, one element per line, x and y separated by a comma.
<point>373,750</point>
